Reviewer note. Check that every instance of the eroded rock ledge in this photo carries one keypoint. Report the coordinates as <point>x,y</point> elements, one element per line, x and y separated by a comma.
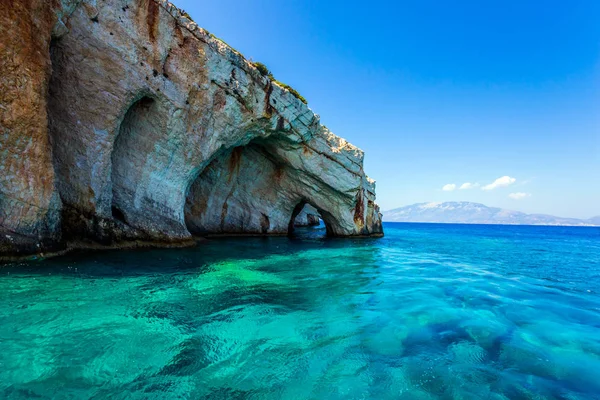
<point>123,121</point>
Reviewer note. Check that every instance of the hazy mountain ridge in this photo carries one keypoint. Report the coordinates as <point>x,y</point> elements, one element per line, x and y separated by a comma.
<point>595,220</point>
<point>464,212</point>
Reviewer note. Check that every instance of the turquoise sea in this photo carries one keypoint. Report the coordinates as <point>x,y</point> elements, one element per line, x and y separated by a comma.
<point>430,311</point>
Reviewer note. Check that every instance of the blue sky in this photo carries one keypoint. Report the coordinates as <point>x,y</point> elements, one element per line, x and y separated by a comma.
<point>442,92</point>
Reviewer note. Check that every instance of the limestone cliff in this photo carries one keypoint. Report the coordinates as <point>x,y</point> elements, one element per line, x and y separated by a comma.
<point>122,120</point>
<point>29,203</point>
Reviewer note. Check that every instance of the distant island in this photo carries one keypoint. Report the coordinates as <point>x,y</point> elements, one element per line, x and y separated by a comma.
<point>464,212</point>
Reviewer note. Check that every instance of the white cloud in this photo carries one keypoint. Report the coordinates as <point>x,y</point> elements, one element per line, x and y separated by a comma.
<point>518,195</point>
<point>449,187</point>
<point>468,185</point>
<point>500,182</point>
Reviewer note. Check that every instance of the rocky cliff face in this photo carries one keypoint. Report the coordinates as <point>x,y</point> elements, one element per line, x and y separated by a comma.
<point>122,120</point>
<point>29,203</point>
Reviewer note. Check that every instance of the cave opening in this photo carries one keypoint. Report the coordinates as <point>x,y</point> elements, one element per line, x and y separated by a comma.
<point>309,216</point>
<point>307,222</point>
<point>118,214</point>
<point>139,131</point>
<point>250,190</point>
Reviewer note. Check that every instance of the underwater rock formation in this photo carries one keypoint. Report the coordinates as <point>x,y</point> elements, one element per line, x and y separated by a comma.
<point>123,121</point>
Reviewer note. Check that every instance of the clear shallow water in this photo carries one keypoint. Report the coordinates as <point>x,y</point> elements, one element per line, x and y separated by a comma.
<point>428,312</point>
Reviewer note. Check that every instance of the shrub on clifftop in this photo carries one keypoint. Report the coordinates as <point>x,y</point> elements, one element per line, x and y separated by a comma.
<point>262,68</point>
<point>264,71</point>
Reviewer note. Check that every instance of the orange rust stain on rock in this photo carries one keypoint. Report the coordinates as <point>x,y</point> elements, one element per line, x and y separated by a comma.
<point>369,221</point>
<point>278,175</point>
<point>219,100</point>
<point>268,106</point>
<point>25,28</point>
<point>199,206</point>
<point>91,199</point>
<point>234,161</point>
<point>186,67</point>
<point>179,36</point>
<point>359,209</point>
<point>152,19</point>
<point>306,150</point>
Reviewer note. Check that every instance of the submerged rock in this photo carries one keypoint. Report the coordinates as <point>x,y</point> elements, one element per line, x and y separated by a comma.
<point>130,123</point>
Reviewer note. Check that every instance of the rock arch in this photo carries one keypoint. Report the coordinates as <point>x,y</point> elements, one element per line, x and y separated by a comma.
<point>239,192</point>
<point>300,208</point>
<point>143,125</point>
<point>255,189</point>
<point>110,83</point>
<point>154,122</point>
<point>308,216</point>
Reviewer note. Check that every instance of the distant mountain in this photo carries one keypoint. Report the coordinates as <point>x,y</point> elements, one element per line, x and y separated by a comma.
<point>463,212</point>
<point>594,220</point>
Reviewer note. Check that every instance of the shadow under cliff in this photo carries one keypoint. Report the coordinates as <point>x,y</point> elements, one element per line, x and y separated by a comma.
<point>193,260</point>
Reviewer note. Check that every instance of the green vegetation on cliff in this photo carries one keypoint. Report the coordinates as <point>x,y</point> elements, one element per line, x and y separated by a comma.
<point>262,68</point>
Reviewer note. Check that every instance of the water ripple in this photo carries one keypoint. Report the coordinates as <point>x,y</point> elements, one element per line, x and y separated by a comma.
<point>428,312</point>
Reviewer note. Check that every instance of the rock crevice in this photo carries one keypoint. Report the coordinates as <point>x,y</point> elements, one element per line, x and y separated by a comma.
<point>130,122</point>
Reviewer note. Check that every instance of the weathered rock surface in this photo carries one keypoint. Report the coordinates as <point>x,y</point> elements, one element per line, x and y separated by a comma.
<point>156,129</point>
<point>29,203</point>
